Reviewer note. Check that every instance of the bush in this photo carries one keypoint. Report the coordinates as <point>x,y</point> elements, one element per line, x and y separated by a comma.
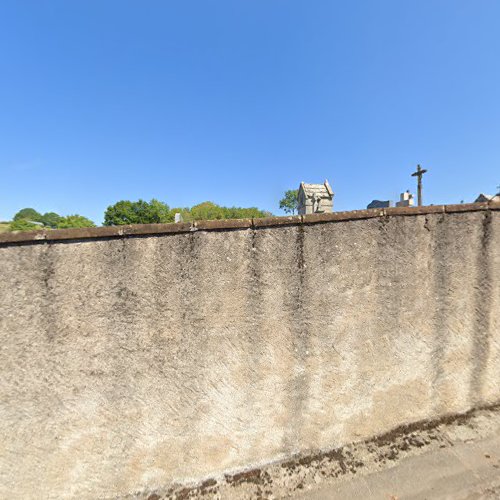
<point>209,211</point>
<point>24,225</point>
<point>137,212</point>
<point>29,214</point>
<point>73,221</point>
<point>51,219</point>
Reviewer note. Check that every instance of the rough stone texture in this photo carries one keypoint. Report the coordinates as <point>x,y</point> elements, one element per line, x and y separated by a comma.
<point>132,363</point>
<point>455,457</point>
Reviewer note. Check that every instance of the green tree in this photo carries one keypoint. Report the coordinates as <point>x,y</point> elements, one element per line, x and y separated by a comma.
<point>290,202</point>
<point>243,213</point>
<point>211,211</point>
<point>29,214</point>
<point>24,225</point>
<point>137,212</point>
<point>157,212</point>
<point>207,211</point>
<point>73,221</point>
<point>51,219</point>
<point>122,212</point>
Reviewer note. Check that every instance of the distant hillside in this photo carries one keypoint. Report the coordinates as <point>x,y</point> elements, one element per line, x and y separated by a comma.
<point>4,226</point>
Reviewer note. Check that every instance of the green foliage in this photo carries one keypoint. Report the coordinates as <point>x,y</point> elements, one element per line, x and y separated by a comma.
<point>51,219</point>
<point>133,212</point>
<point>23,220</point>
<point>211,211</point>
<point>23,225</point>
<point>243,213</point>
<point>137,212</point>
<point>290,202</point>
<point>207,211</point>
<point>122,212</point>
<point>29,214</point>
<point>71,221</point>
<point>158,212</point>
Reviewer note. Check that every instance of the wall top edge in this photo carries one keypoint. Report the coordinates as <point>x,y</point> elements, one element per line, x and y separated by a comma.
<point>42,236</point>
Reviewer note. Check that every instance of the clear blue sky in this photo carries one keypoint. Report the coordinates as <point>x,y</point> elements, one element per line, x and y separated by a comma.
<point>235,101</point>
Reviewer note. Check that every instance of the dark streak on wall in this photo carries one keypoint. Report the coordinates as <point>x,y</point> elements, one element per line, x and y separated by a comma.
<point>483,302</point>
<point>134,358</point>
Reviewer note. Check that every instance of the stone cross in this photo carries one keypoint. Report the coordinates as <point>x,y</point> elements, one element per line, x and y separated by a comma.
<point>419,173</point>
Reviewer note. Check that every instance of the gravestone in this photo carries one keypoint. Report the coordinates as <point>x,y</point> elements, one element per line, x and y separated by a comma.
<point>405,200</point>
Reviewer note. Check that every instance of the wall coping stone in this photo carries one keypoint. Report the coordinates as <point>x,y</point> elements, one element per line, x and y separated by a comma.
<point>292,220</point>
<point>106,232</point>
<point>210,225</point>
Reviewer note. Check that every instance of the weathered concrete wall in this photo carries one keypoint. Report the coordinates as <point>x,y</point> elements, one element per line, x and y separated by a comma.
<point>133,362</point>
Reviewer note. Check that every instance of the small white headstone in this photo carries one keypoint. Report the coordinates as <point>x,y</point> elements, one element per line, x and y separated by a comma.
<point>405,200</point>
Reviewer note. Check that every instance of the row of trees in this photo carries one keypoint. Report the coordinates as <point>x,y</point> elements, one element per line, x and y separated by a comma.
<point>154,211</point>
<point>29,219</point>
<point>131,212</point>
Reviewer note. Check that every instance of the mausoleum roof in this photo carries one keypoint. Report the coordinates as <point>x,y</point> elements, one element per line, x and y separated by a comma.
<point>488,197</point>
<point>323,190</point>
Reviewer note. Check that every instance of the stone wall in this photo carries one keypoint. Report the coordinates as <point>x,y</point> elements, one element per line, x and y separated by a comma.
<point>133,358</point>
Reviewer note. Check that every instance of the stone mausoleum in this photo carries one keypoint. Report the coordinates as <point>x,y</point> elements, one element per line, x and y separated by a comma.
<point>405,200</point>
<point>315,198</point>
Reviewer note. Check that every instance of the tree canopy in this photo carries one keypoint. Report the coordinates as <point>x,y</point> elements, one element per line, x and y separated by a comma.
<point>143,212</point>
<point>51,219</point>
<point>137,212</point>
<point>71,221</point>
<point>26,219</point>
<point>29,214</point>
<point>210,211</point>
<point>290,202</point>
<point>132,212</point>
<point>207,211</point>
